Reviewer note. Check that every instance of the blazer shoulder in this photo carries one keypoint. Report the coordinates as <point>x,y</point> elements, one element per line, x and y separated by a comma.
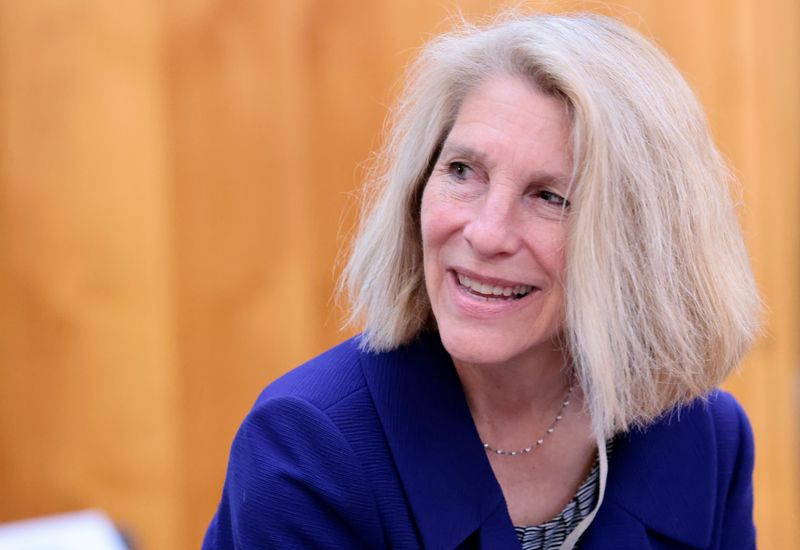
<point>294,480</point>
<point>720,421</point>
<point>697,459</point>
<point>726,418</point>
<point>719,412</point>
<point>322,381</point>
<point>728,415</point>
<point>734,435</point>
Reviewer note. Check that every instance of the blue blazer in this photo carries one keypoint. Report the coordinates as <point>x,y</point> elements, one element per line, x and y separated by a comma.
<point>360,450</point>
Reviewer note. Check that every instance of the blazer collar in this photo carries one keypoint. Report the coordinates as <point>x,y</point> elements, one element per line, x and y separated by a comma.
<point>662,479</point>
<point>447,477</point>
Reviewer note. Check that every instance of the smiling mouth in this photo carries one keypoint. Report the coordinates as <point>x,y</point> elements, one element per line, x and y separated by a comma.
<point>492,292</point>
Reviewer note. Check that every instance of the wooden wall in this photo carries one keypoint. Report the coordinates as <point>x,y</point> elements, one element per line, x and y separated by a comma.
<point>175,181</point>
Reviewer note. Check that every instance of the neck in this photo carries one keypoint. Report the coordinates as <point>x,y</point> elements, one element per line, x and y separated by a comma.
<point>521,392</point>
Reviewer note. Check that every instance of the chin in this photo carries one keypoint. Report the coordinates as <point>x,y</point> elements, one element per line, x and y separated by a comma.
<point>489,347</point>
<point>477,350</point>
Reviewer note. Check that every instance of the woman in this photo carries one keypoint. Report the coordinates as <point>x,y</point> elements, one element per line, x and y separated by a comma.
<point>552,283</point>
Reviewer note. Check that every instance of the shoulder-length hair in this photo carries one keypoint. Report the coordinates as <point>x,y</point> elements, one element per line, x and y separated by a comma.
<point>660,299</point>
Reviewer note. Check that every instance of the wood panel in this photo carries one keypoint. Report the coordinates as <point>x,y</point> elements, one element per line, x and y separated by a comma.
<point>238,109</point>
<point>88,410</point>
<point>176,182</point>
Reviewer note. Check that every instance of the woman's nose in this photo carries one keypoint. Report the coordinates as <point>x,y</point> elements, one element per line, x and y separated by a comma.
<point>492,230</point>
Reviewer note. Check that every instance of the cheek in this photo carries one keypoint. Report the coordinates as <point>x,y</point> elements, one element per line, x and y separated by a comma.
<point>557,260</point>
<point>439,228</point>
<point>549,245</point>
<point>425,217</point>
<point>436,220</point>
<point>427,232</point>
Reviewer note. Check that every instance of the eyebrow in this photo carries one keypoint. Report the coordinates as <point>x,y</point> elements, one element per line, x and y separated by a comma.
<point>458,150</point>
<point>539,177</point>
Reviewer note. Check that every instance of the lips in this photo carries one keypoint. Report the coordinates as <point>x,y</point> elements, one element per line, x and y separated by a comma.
<point>491,290</point>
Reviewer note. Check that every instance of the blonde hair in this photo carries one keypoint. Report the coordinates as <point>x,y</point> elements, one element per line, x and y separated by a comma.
<point>660,299</point>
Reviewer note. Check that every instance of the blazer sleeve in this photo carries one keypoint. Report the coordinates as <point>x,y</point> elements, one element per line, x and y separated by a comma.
<point>738,529</point>
<point>293,481</point>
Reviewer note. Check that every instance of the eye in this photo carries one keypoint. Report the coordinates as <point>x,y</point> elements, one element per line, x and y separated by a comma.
<point>552,198</point>
<point>459,170</point>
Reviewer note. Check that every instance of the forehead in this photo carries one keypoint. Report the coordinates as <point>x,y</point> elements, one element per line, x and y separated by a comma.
<point>507,120</point>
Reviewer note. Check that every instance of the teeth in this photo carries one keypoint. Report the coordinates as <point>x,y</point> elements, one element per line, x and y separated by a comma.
<point>492,290</point>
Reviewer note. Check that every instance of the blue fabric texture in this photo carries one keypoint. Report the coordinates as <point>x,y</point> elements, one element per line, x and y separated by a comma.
<point>361,450</point>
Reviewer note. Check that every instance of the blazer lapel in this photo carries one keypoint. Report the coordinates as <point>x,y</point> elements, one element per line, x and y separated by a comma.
<point>447,477</point>
<point>614,527</point>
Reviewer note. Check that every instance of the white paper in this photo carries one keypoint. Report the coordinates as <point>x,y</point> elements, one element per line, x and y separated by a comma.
<point>86,530</point>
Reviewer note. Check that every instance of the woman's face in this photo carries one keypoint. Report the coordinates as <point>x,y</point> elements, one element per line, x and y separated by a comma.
<point>494,224</point>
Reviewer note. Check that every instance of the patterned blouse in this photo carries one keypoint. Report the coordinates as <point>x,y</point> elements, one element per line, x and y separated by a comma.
<point>551,534</point>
